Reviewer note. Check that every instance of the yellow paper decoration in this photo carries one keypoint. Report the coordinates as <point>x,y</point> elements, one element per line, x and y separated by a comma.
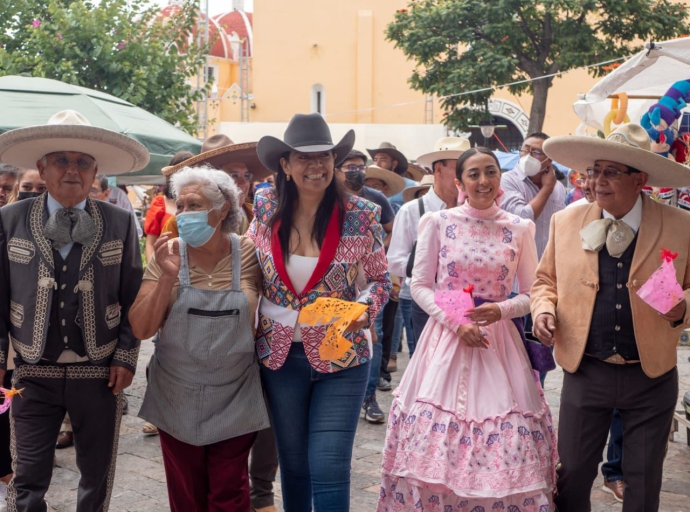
<point>337,314</point>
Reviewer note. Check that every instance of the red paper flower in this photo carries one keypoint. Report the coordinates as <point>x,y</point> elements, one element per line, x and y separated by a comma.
<point>668,255</point>
<point>469,289</point>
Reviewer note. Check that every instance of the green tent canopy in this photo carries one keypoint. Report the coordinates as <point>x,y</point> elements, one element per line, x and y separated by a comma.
<point>28,101</point>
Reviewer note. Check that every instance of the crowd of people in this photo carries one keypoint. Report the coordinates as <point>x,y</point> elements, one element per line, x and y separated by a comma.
<point>246,236</point>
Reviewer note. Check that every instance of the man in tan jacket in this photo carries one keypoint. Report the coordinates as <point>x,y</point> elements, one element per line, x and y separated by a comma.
<point>617,351</point>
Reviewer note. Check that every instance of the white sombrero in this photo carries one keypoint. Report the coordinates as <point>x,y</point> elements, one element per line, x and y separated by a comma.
<point>394,182</point>
<point>410,192</point>
<point>628,145</point>
<point>70,131</point>
<point>449,148</point>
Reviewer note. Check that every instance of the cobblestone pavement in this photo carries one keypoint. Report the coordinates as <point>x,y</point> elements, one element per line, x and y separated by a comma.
<point>140,478</point>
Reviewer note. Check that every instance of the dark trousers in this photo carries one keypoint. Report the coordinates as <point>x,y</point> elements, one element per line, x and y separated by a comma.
<point>5,455</point>
<point>388,316</point>
<point>612,469</point>
<point>419,320</point>
<point>263,466</point>
<point>50,391</point>
<point>211,478</point>
<point>588,399</point>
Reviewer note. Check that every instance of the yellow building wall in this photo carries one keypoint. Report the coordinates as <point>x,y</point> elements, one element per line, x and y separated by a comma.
<point>341,45</point>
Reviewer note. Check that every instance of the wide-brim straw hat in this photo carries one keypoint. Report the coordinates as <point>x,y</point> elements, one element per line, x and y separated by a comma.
<point>426,183</point>
<point>628,145</point>
<point>395,183</point>
<point>447,148</point>
<point>393,152</point>
<point>244,153</point>
<point>306,133</point>
<point>70,131</point>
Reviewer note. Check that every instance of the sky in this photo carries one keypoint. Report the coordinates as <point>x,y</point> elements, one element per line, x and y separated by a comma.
<point>215,6</point>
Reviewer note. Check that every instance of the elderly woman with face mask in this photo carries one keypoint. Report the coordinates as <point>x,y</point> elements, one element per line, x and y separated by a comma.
<point>200,292</point>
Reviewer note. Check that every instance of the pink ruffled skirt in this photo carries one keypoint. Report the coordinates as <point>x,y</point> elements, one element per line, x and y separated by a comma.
<point>469,429</point>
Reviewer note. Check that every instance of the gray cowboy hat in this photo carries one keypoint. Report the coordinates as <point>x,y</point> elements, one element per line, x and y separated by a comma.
<point>390,150</point>
<point>306,133</point>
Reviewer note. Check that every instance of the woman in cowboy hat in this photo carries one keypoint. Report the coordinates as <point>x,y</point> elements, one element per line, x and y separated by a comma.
<point>314,241</point>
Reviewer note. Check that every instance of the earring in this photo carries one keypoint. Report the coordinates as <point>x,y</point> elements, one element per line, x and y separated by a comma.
<point>287,177</point>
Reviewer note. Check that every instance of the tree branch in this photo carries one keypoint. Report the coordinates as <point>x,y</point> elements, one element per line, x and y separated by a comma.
<point>532,37</point>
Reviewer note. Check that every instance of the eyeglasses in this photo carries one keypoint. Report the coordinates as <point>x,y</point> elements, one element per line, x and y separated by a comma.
<point>534,152</point>
<point>6,189</point>
<point>83,163</point>
<point>354,168</point>
<point>239,176</point>
<point>610,173</point>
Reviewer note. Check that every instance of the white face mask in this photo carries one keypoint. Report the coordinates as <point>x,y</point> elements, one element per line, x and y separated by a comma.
<point>530,166</point>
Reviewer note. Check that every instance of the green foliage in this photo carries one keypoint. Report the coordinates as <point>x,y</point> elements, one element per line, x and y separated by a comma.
<point>464,45</point>
<point>116,46</point>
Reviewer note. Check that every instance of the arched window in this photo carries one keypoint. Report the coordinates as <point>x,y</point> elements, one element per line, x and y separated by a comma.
<point>318,99</point>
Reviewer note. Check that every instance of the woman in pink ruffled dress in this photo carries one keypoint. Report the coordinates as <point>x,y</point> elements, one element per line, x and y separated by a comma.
<point>469,429</point>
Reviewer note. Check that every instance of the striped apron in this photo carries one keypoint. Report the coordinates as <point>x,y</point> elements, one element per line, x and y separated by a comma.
<point>204,384</point>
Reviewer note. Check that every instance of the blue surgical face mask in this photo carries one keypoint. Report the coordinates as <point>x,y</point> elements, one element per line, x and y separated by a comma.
<point>194,228</point>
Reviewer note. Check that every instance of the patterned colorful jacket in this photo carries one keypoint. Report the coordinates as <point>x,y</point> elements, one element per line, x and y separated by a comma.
<point>351,266</point>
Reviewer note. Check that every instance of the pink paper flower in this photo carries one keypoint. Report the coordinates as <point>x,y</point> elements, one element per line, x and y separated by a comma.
<point>36,23</point>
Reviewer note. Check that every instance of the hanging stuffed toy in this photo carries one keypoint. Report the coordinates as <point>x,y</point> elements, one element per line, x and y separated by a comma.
<point>659,119</point>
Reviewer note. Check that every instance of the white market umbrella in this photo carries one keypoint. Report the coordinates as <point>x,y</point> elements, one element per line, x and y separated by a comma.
<point>645,78</point>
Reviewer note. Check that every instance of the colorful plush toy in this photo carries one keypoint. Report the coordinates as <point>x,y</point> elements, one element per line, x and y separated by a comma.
<point>660,117</point>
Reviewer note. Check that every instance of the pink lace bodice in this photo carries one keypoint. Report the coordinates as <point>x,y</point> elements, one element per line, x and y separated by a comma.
<point>488,248</point>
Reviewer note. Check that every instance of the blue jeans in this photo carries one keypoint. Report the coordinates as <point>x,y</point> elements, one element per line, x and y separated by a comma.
<point>377,353</point>
<point>405,310</point>
<point>612,469</point>
<point>397,330</point>
<point>314,417</point>
<point>419,320</point>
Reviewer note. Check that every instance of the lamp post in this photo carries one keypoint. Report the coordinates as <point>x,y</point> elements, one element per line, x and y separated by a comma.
<point>487,126</point>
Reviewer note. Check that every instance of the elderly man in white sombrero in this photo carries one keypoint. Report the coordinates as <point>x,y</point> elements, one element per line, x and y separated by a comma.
<point>617,351</point>
<point>70,269</point>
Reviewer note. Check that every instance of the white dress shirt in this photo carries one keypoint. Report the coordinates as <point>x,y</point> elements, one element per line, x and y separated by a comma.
<point>633,218</point>
<point>404,234</point>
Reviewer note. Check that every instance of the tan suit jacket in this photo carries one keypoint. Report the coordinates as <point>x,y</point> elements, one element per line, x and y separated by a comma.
<point>568,280</point>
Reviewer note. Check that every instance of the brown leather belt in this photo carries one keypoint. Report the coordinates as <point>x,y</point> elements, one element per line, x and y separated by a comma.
<point>617,359</point>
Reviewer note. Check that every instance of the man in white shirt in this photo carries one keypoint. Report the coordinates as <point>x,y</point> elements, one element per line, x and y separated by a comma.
<point>442,195</point>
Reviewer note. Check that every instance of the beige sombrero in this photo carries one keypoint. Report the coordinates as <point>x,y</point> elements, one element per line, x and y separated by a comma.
<point>395,183</point>
<point>628,145</point>
<point>427,182</point>
<point>234,153</point>
<point>449,148</point>
<point>416,172</point>
<point>70,131</point>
